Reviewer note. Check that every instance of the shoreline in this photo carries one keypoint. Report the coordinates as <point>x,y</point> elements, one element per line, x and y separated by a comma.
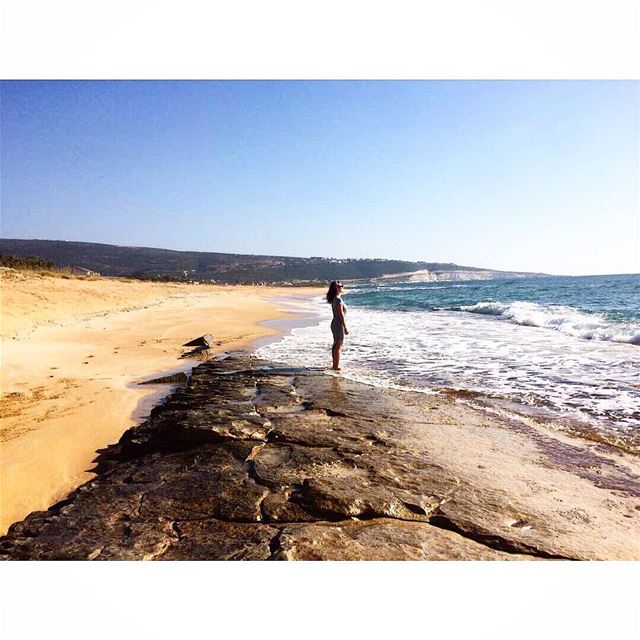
<point>256,461</point>
<point>588,389</point>
<point>515,489</point>
<point>284,325</point>
<point>70,382</point>
<point>281,325</point>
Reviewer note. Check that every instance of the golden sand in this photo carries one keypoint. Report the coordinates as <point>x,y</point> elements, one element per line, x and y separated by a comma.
<point>72,351</point>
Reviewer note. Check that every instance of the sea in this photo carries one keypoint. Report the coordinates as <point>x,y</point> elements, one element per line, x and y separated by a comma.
<point>560,350</point>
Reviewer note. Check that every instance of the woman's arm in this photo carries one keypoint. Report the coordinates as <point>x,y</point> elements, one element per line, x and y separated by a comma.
<point>342,320</point>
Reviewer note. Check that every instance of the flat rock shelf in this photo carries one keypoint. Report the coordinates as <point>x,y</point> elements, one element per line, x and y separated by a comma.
<point>253,461</point>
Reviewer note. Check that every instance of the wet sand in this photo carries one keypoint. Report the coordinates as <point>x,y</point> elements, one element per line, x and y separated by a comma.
<point>73,351</point>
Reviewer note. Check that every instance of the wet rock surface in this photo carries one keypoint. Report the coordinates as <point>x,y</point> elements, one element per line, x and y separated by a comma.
<point>251,461</point>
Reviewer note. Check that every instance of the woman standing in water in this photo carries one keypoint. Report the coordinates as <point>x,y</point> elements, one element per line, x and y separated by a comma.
<point>338,324</point>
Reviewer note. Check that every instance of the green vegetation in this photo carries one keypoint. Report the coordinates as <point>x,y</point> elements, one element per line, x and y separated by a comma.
<point>30,263</point>
<point>45,267</point>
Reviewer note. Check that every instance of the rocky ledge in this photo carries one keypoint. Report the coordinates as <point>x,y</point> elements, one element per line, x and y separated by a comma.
<point>251,461</point>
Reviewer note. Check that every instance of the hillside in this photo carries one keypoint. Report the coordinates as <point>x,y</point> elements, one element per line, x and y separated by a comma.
<point>165,264</point>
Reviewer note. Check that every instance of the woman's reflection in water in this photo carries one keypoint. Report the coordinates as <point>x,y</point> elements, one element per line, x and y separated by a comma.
<point>338,393</point>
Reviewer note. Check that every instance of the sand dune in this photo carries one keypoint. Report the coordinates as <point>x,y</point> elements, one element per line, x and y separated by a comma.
<point>72,352</point>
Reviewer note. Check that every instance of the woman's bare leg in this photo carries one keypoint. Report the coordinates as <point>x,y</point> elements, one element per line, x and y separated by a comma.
<point>335,352</point>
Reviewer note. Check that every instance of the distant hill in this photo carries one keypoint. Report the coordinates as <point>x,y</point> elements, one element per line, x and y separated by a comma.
<point>164,264</point>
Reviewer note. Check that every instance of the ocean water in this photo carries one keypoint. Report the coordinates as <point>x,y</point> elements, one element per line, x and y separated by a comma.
<point>565,350</point>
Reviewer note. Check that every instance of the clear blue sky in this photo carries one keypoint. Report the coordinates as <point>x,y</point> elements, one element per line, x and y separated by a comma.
<point>537,176</point>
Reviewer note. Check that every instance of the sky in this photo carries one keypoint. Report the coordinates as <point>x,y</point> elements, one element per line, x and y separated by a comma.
<point>517,175</point>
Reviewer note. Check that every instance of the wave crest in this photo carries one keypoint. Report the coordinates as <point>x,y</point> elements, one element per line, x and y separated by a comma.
<point>588,326</point>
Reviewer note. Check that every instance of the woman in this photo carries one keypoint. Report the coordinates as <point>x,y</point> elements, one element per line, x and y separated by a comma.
<point>338,324</point>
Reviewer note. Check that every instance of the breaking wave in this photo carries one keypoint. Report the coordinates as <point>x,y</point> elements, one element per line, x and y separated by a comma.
<point>588,326</point>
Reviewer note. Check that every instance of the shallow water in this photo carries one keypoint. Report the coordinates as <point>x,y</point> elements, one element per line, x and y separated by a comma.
<point>557,348</point>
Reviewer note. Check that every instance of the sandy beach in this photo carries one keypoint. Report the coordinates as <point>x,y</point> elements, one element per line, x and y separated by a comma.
<point>73,351</point>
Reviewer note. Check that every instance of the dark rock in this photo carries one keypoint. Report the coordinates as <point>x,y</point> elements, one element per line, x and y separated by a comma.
<point>205,341</point>
<point>175,378</point>
<point>381,540</point>
<point>249,460</point>
<point>217,540</point>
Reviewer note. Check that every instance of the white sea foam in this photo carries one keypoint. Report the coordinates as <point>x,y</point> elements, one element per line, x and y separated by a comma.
<point>588,326</point>
<point>595,382</point>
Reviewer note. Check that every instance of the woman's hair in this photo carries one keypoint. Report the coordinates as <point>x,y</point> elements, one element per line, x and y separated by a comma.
<point>332,294</point>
